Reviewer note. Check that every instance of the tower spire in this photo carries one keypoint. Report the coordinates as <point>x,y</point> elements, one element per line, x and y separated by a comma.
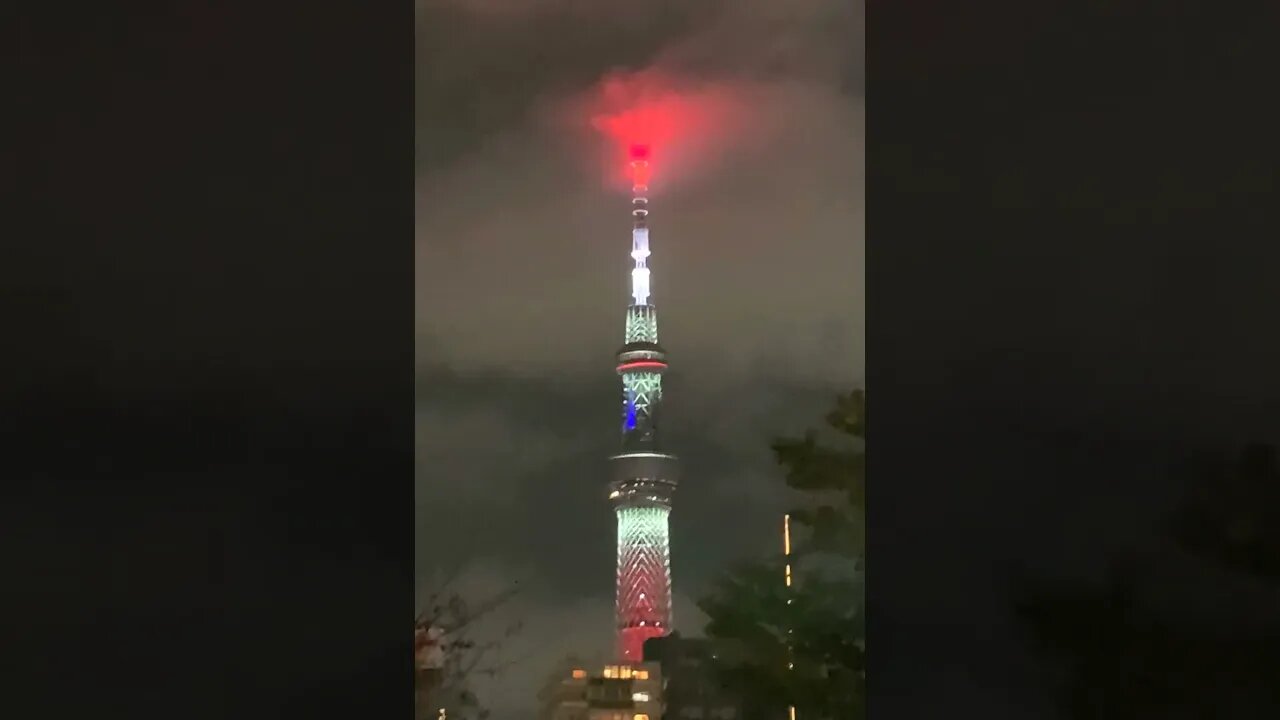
<point>640,225</point>
<point>644,478</point>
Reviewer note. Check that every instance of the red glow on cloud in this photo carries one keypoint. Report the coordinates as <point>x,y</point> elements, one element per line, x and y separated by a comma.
<point>675,128</point>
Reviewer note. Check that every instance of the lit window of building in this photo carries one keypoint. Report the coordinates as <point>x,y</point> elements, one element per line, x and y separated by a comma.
<point>641,674</point>
<point>640,697</point>
<point>579,673</point>
<point>641,716</point>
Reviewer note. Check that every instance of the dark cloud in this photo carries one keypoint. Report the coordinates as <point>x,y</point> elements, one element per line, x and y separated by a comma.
<point>522,272</point>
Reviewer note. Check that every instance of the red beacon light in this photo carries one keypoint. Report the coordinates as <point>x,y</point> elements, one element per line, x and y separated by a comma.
<point>640,165</point>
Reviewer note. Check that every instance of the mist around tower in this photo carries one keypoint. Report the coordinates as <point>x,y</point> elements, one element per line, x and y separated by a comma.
<point>681,345</point>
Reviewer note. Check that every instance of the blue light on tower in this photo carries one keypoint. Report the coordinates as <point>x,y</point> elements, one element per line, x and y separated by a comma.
<point>630,423</point>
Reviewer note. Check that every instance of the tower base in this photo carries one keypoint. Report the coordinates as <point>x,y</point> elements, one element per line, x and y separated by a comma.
<point>632,642</point>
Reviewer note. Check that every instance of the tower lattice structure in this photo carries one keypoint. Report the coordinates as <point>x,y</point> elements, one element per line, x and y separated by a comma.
<point>644,477</point>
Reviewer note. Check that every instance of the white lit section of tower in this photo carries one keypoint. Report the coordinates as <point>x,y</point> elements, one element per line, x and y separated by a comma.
<point>644,477</point>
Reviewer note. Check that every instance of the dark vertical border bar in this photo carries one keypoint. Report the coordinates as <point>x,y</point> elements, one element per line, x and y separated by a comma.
<point>209,360</point>
<point>1071,286</point>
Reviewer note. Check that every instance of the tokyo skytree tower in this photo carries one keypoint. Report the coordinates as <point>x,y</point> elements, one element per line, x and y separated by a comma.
<point>644,477</point>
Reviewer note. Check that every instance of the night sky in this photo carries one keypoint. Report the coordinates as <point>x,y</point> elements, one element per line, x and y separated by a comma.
<point>522,284</point>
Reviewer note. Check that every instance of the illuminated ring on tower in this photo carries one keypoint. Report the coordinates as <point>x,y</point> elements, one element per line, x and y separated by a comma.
<point>650,365</point>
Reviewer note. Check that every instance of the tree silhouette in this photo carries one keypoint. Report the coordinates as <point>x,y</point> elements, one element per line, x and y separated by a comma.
<point>448,655</point>
<point>803,646</point>
<point>1120,657</point>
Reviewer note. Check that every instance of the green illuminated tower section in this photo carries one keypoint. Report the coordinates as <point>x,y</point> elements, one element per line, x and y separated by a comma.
<point>644,477</point>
